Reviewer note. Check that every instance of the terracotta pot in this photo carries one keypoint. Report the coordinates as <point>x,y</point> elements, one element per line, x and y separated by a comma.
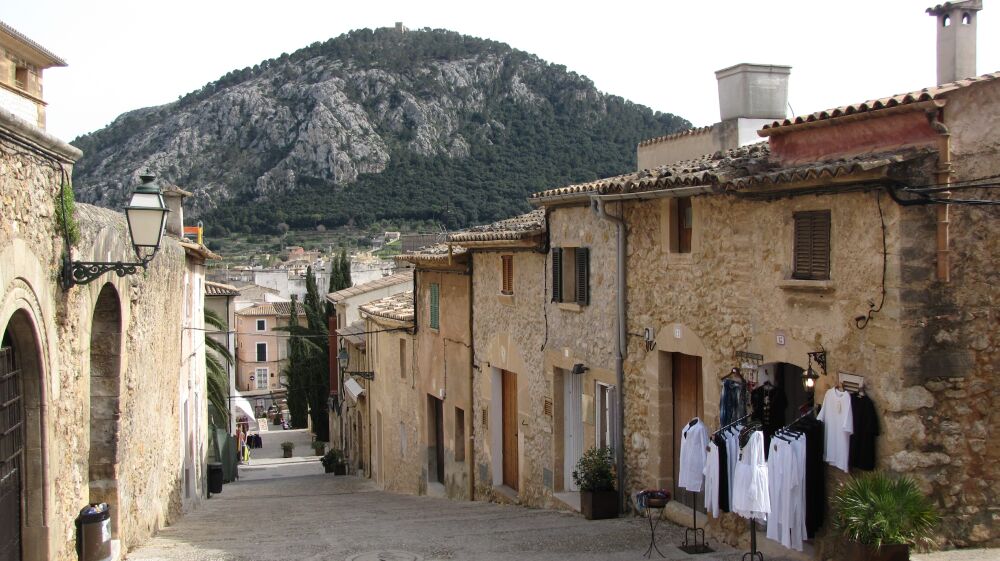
<point>863,552</point>
<point>598,505</point>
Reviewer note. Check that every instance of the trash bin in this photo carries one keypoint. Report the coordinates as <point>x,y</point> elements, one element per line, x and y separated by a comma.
<point>93,533</point>
<point>215,478</point>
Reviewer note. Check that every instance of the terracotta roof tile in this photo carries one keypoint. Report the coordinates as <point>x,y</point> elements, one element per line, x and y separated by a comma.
<point>219,289</point>
<point>398,307</point>
<point>665,138</point>
<point>354,333</point>
<point>55,60</point>
<point>516,228</point>
<point>435,253</point>
<point>926,94</point>
<point>268,309</point>
<point>391,280</point>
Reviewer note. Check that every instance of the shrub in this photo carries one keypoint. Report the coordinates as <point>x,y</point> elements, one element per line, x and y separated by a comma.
<point>875,509</point>
<point>334,457</point>
<point>287,445</point>
<point>594,471</point>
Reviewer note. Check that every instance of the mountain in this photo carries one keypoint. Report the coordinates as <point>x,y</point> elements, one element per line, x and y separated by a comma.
<point>413,126</point>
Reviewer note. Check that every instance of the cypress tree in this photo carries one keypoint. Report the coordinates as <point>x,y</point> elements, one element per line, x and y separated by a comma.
<point>296,372</point>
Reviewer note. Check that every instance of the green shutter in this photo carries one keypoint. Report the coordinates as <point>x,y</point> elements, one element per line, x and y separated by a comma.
<point>435,306</point>
<point>583,276</point>
<point>557,274</point>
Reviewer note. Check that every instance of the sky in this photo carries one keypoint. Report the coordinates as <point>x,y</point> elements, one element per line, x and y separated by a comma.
<point>124,55</point>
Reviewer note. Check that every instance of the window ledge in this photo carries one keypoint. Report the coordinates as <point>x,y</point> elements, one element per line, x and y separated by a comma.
<point>506,299</point>
<point>570,307</point>
<point>674,258</point>
<point>807,285</point>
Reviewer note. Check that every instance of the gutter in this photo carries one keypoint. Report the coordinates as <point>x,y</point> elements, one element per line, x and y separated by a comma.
<point>597,205</point>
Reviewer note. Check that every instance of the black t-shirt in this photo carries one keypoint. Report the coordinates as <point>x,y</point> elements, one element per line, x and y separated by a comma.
<point>862,455</point>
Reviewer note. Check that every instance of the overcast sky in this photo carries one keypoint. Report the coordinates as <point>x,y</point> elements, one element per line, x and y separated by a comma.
<point>125,55</point>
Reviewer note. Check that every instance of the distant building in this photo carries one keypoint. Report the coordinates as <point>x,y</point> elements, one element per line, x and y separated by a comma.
<point>262,353</point>
<point>21,69</point>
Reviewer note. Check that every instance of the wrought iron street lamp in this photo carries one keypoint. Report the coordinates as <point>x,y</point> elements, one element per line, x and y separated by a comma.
<point>146,215</point>
<point>343,359</point>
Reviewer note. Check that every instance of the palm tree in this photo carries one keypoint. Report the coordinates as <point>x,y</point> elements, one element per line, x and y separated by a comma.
<point>217,360</point>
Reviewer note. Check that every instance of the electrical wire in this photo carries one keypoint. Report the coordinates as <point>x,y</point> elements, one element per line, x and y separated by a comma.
<point>862,321</point>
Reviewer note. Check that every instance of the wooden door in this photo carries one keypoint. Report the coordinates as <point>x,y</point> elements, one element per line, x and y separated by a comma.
<point>510,427</point>
<point>688,403</point>
<point>439,437</point>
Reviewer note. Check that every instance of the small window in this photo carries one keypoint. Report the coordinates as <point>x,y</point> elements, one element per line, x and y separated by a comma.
<point>507,283</point>
<point>812,245</point>
<point>21,77</point>
<point>459,435</point>
<point>260,378</point>
<point>261,352</point>
<point>262,325</point>
<point>571,275</point>
<point>683,224</point>
<point>402,358</point>
<point>435,306</point>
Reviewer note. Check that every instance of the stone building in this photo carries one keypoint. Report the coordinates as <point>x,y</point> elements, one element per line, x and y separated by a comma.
<point>442,367</point>
<point>892,284</point>
<point>511,441</point>
<point>220,299</point>
<point>92,374</point>
<point>21,66</point>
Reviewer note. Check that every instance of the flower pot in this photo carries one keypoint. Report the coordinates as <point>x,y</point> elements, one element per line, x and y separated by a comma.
<point>287,452</point>
<point>863,552</point>
<point>329,469</point>
<point>598,505</point>
<point>340,469</point>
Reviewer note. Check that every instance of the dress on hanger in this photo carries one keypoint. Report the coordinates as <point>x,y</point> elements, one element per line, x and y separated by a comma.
<point>692,460</point>
<point>750,488</point>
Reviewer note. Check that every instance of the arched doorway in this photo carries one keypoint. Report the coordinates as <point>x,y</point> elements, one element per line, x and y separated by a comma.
<point>105,409</point>
<point>21,482</point>
<point>787,377</point>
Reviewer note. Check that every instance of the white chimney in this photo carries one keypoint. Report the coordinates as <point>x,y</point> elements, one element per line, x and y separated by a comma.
<point>753,91</point>
<point>956,39</point>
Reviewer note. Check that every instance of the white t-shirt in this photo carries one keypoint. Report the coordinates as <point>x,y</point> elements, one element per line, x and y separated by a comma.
<point>693,444</point>
<point>839,425</point>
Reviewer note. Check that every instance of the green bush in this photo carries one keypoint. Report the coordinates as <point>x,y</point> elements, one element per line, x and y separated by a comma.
<point>594,471</point>
<point>287,445</point>
<point>876,509</point>
<point>334,457</point>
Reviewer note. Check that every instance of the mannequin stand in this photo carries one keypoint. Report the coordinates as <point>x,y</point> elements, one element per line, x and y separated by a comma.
<point>753,554</point>
<point>691,535</point>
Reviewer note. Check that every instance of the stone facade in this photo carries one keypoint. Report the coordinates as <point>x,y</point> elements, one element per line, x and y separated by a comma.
<point>106,355</point>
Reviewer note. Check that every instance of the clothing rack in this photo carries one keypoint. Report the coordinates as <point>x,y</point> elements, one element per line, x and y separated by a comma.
<point>732,424</point>
<point>692,545</point>
<point>753,553</point>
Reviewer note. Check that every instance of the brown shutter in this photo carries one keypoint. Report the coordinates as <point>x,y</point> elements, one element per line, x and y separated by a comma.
<point>557,274</point>
<point>812,245</point>
<point>507,286</point>
<point>582,276</point>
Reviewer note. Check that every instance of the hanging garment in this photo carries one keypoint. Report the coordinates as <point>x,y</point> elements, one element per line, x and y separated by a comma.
<point>722,452</point>
<point>769,408</point>
<point>733,402</point>
<point>862,449</point>
<point>693,443</point>
<point>836,415</point>
<point>815,483</point>
<point>786,480</point>
<point>712,484</point>
<point>751,497</point>
<point>732,456</point>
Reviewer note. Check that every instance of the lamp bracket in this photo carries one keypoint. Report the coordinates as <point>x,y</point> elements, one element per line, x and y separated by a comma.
<point>85,272</point>
<point>366,375</point>
<point>820,358</point>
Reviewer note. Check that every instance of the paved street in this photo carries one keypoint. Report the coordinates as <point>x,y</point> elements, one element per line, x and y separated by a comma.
<point>328,518</point>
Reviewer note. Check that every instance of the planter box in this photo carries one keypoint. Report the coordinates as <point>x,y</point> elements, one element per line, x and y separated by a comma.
<point>287,453</point>
<point>598,505</point>
<point>861,552</point>
<point>340,469</point>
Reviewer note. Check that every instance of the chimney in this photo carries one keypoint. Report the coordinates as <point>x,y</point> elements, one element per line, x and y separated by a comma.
<point>174,197</point>
<point>753,91</point>
<point>956,39</point>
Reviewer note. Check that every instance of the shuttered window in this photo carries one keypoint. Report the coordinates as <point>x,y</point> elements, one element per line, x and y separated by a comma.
<point>557,274</point>
<point>582,276</point>
<point>507,283</point>
<point>812,245</point>
<point>435,306</point>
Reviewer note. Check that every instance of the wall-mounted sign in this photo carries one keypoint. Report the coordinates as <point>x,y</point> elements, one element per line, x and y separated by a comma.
<point>779,338</point>
<point>262,425</point>
<point>677,332</point>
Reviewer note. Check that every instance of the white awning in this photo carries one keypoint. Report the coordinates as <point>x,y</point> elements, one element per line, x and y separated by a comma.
<point>243,404</point>
<point>353,389</point>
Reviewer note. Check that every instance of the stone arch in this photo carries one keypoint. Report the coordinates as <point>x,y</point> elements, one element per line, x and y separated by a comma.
<point>105,396</point>
<point>25,356</point>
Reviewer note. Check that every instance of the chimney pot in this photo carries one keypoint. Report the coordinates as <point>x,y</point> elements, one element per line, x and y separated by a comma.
<point>753,91</point>
<point>956,39</point>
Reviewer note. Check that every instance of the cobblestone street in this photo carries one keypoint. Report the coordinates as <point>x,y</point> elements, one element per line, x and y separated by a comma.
<point>324,517</point>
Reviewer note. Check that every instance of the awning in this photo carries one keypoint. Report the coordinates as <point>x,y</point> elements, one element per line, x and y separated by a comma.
<point>353,389</point>
<point>243,404</point>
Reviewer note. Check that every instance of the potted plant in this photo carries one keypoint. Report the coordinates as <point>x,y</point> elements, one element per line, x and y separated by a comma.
<point>334,462</point>
<point>319,447</point>
<point>594,475</point>
<point>883,516</point>
<point>287,448</point>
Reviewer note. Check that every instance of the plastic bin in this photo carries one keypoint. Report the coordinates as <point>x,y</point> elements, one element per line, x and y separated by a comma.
<point>215,478</point>
<point>93,533</point>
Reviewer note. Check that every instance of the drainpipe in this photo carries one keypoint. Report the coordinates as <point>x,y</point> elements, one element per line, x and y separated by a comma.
<point>471,444</point>
<point>943,211</point>
<point>597,205</point>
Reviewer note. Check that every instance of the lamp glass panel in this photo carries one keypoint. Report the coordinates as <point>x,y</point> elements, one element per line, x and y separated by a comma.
<point>146,226</point>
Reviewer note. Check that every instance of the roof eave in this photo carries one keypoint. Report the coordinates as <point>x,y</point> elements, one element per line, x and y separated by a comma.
<point>928,105</point>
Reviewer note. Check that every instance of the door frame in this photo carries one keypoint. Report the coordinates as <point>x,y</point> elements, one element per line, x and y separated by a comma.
<point>573,431</point>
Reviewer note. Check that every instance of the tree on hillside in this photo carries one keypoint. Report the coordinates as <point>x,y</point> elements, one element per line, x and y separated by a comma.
<point>345,269</point>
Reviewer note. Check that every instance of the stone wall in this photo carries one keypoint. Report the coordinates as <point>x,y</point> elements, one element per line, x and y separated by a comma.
<point>56,324</point>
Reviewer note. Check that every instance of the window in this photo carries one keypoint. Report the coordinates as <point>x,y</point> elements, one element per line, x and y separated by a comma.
<point>683,223</point>
<point>507,283</point>
<point>571,275</point>
<point>262,325</point>
<point>402,358</point>
<point>21,77</point>
<point>459,435</point>
<point>435,306</point>
<point>260,377</point>
<point>606,415</point>
<point>812,245</point>
<point>261,352</point>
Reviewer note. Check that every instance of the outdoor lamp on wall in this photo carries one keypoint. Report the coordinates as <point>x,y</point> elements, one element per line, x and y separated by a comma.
<point>342,360</point>
<point>146,215</point>
<point>809,376</point>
